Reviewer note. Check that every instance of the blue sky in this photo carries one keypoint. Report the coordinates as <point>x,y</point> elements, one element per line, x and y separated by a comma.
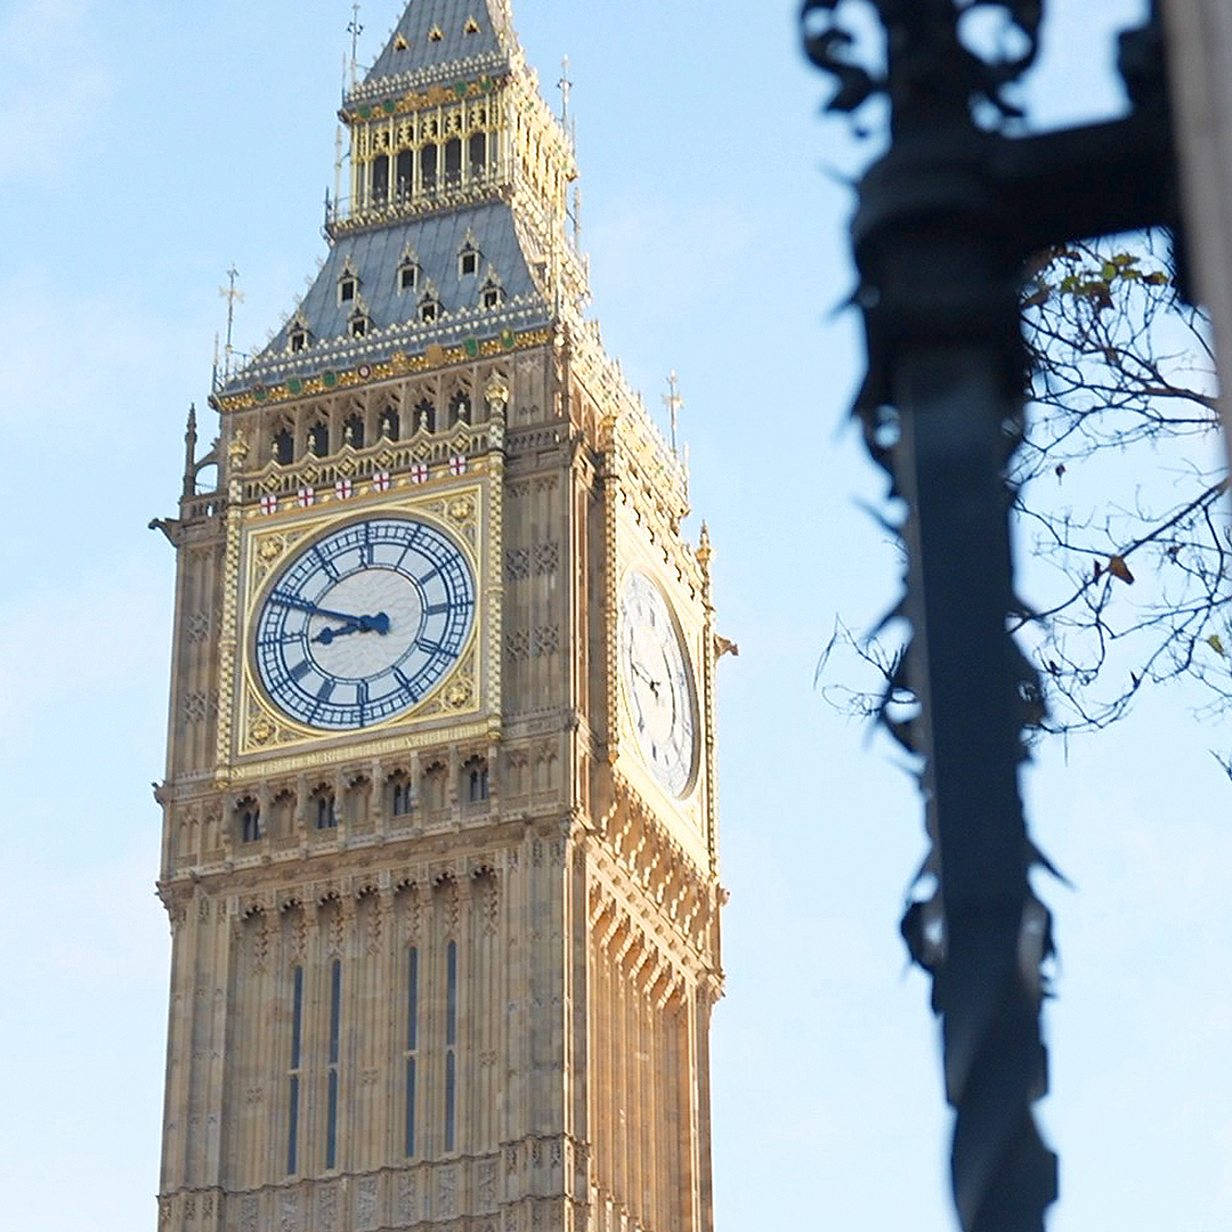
<point>146,146</point>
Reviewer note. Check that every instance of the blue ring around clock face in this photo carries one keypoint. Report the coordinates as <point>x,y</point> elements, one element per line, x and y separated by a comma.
<point>364,623</point>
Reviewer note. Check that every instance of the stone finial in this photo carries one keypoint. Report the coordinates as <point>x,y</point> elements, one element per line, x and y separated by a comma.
<point>497,393</point>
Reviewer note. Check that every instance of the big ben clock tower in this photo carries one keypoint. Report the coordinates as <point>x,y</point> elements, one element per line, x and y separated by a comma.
<point>439,841</point>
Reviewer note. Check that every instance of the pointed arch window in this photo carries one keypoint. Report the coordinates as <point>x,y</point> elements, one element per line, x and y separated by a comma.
<point>475,780</point>
<point>297,339</point>
<point>325,809</point>
<point>453,160</point>
<point>353,431</point>
<point>359,324</point>
<point>459,407</point>
<point>478,151</point>
<point>248,815</point>
<point>429,309</point>
<point>318,439</point>
<point>429,157</point>
<point>404,171</point>
<point>284,446</point>
<point>391,423</point>
<point>468,260</point>
<point>380,179</point>
<point>425,416</point>
<point>399,795</point>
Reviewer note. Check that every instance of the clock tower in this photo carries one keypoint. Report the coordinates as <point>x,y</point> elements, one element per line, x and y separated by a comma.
<point>439,841</point>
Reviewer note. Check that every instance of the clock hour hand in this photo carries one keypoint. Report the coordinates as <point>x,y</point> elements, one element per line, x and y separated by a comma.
<point>360,624</point>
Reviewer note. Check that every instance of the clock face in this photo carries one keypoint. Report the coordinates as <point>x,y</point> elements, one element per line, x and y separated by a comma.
<point>657,682</point>
<point>364,623</point>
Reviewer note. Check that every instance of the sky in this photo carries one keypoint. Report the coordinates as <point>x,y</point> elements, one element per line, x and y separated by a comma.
<point>147,146</point>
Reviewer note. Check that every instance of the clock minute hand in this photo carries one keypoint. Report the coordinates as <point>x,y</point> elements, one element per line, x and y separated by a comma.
<point>303,605</point>
<point>363,624</point>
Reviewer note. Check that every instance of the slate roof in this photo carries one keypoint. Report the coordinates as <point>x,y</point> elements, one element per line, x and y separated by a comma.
<point>374,256</point>
<point>456,53</point>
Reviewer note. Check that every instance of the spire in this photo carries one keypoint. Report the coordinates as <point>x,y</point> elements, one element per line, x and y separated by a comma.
<point>433,36</point>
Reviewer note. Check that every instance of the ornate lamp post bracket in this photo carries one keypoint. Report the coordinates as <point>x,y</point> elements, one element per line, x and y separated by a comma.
<point>945,221</point>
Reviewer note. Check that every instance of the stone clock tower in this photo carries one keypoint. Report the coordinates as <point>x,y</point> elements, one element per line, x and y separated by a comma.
<point>439,841</point>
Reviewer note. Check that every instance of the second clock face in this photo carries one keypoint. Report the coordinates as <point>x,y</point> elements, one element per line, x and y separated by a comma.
<point>657,681</point>
<point>364,623</point>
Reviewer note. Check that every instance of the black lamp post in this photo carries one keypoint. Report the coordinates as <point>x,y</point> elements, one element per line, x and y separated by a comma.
<point>946,220</point>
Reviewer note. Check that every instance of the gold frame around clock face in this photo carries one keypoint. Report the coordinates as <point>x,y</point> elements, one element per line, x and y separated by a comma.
<point>335,671</point>
<point>660,691</point>
<point>259,547</point>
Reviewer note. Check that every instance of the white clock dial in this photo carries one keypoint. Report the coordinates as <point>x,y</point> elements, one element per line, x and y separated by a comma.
<point>364,623</point>
<point>657,682</point>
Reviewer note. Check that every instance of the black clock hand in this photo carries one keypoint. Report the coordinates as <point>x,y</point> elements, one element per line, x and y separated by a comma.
<point>362,624</point>
<point>303,605</point>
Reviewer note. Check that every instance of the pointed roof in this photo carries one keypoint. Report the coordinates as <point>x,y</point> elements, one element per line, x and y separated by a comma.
<point>439,39</point>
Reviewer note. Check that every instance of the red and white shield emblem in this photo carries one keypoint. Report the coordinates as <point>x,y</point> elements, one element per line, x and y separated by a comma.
<point>381,481</point>
<point>419,473</point>
<point>306,497</point>
<point>344,489</point>
<point>269,504</point>
<point>457,465</point>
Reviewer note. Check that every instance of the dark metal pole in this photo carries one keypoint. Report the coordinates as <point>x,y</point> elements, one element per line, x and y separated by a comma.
<point>945,221</point>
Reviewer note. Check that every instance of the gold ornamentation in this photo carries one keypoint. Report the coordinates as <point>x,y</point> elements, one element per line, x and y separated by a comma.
<point>458,694</point>
<point>263,731</point>
<point>462,509</point>
<point>271,548</point>
<point>238,449</point>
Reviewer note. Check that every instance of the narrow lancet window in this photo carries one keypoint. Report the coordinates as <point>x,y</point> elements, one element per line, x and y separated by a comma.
<point>453,160</point>
<point>412,1044</point>
<point>451,1042</point>
<point>427,167</point>
<point>380,179</point>
<point>297,1025</point>
<point>478,153</point>
<point>335,1033</point>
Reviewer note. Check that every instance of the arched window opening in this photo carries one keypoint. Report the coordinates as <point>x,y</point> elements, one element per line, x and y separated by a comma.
<point>429,310</point>
<point>348,287</point>
<point>475,780</point>
<point>353,431</point>
<point>468,261</point>
<point>325,809</point>
<point>318,439</point>
<point>358,801</point>
<point>459,408</point>
<point>408,276</point>
<point>434,786</point>
<point>248,812</point>
<point>391,423</point>
<point>425,416</point>
<point>284,447</point>
<point>380,179</point>
<point>359,324</point>
<point>282,814</point>
<point>428,157</point>
<point>453,160</point>
<point>399,787</point>
<point>478,153</point>
<point>297,340</point>
<point>405,170</point>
